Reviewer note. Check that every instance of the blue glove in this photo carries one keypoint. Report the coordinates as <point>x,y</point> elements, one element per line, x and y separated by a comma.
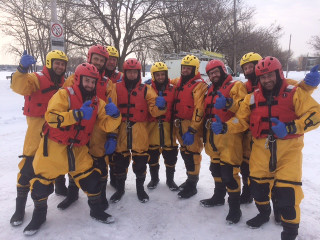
<point>217,126</point>
<point>160,101</point>
<point>280,128</point>
<point>111,109</point>
<point>111,143</point>
<point>85,112</point>
<point>313,77</point>
<point>25,62</point>
<point>220,101</point>
<point>188,138</point>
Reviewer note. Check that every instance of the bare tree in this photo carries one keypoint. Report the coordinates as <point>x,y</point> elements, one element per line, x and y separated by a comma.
<point>315,43</point>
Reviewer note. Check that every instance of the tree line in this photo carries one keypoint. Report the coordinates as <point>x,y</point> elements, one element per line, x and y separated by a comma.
<point>147,28</point>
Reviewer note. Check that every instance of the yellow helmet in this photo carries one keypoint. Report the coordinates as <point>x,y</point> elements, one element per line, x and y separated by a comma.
<point>192,61</point>
<point>250,57</point>
<point>55,54</point>
<point>113,52</point>
<point>158,67</point>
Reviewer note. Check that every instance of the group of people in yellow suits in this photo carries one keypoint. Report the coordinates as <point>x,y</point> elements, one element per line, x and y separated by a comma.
<point>98,120</point>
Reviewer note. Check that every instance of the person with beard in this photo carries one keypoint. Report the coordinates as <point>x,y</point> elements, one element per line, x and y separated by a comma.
<point>105,89</point>
<point>221,102</point>
<point>114,76</point>
<point>277,114</point>
<point>37,89</point>
<point>188,118</point>
<point>70,118</point>
<point>111,65</point>
<point>135,100</point>
<point>162,137</point>
<point>248,63</point>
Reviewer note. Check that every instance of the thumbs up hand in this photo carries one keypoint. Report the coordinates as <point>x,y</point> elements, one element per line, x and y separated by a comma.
<point>218,127</point>
<point>313,77</point>
<point>280,128</point>
<point>111,109</point>
<point>25,62</point>
<point>160,101</point>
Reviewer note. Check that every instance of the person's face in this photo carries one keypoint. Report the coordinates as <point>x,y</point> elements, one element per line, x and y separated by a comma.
<point>214,75</point>
<point>88,83</point>
<point>248,68</point>
<point>98,61</point>
<point>132,74</point>
<point>59,66</point>
<point>112,63</point>
<point>186,70</point>
<point>160,77</point>
<point>268,80</point>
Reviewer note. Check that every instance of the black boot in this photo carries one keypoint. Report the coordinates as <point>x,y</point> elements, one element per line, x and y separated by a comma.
<point>142,195</point>
<point>190,188</point>
<point>246,196</point>
<point>183,185</point>
<point>218,197</point>
<point>262,218</point>
<point>235,213</point>
<point>72,195</point>
<point>22,195</point>
<point>38,217</point>
<point>154,172</point>
<point>104,200</point>
<point>290,231</point>
<point>60,186</point>
<point>170,176</point>
<point>96,210</point>
<point>120,183</point>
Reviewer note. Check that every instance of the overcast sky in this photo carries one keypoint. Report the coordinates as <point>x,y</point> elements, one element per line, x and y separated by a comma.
<point>300,18</point>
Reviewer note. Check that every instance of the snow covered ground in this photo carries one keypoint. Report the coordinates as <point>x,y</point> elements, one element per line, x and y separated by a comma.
<point>164,216</point>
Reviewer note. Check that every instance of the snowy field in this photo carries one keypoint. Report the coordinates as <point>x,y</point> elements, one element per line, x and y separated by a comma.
<point>164,216</point>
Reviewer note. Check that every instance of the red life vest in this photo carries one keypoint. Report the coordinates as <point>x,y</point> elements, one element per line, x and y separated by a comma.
<point>35,105</point>
<point>168,95</point>
<point>249,87</point>
<point>212,96</point>
<point>281,107</point>
<point>101,87</point>
<point>115,76</point>
<point>79,133</point>
<point>184,102</point>
<point>132,105</point>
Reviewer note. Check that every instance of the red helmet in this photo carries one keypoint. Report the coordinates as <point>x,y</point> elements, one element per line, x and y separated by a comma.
<point>268,64</point>
<point>98,49</point>
<point>85,69</point>
<point>132,63</point>
<point>216,63</point>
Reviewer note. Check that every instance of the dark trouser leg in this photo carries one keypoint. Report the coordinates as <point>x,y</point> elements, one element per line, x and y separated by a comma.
<point>290,231</point>
<point>39,194</point>
<point>229,180</point>
<point>111,171</point>
<point>121,164</point>
<point>154,168</point>
<point>246,196</point>
<point>260,192</point>
<point>100,163</point>
<point>60,186</point>
<point>139,168</point>
<point>170,160</point>
<point>18,216</point>
<point>219,189</point>
<point>72,195</point>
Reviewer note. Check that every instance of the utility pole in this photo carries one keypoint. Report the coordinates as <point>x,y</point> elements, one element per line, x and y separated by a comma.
<point>56,29</point>
<point>234,37</point>
<point>53,10</point>
<point>288,57</point>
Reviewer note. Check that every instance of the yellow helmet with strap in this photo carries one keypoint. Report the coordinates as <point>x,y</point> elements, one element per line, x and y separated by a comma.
<point>191,60</point>
<point>158,67</point>
<point>113,52</point>
<point>250,57</point>
<point>55,54</point>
